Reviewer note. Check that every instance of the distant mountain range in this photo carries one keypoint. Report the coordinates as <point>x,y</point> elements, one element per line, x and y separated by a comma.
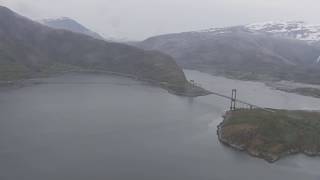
<point>30,49</point>
<point>261,51</point>
<point>70,24</point>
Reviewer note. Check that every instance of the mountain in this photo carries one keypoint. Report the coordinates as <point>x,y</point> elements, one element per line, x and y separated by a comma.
<point>30,49</point>
<point>71,25</point>
<point>245,52</point>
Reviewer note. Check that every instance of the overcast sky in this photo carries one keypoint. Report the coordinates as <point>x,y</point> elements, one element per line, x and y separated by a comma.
<point>139,19</point>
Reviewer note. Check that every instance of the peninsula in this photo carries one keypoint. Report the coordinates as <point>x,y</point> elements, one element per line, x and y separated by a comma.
<point>271,135</point>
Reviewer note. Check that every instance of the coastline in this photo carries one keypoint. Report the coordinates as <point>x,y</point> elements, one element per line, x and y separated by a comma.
<point>189,90</point>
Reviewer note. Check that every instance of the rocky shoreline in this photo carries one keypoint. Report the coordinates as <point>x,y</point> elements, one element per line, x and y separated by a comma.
<point>242,148</point>
<point>269,157</point>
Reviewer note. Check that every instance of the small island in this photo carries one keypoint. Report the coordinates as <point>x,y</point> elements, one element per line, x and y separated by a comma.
<point>273,134</point>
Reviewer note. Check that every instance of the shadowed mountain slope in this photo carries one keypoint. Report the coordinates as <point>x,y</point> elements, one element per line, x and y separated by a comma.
<point>29,49</point>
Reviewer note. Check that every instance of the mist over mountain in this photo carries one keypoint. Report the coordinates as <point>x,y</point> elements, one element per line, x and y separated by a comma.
<point>70,24</point>
<point>271,51</point>
<point>30,49</point>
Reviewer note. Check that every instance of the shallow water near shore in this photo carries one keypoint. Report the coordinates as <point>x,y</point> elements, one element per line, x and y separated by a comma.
<point>84,126</point>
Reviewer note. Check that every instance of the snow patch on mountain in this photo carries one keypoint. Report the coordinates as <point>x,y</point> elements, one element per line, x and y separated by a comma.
<point>286,29</point>
<point>215,31</point>
<point>289,29</point>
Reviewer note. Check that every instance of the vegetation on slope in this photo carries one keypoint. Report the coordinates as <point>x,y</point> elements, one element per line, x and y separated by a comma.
<point>29,49</point>
<point>270,135</point>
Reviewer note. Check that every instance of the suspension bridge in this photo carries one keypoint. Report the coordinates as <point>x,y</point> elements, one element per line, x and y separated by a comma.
<point>235,102</point>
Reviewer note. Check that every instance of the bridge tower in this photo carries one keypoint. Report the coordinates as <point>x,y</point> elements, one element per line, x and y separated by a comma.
<point>233,100</point>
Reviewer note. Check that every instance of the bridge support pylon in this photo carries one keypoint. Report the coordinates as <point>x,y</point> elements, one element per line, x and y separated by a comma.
<point>233,100</point>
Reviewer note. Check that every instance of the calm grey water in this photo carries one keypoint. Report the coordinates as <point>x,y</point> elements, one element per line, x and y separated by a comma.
<point>94,127</point>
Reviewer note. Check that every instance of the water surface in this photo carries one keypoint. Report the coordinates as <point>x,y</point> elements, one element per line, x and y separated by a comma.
<point>102,127</point>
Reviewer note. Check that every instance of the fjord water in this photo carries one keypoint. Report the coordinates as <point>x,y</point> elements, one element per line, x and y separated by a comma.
<point>84,126</point>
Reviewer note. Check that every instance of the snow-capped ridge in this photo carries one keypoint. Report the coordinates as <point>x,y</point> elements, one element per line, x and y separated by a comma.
<point>290,29</point>
<point>298,30</point>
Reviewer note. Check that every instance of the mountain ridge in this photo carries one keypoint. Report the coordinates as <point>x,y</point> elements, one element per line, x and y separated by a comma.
<point>69,24</point>
<point>241,53</point>
<point>30,49</point>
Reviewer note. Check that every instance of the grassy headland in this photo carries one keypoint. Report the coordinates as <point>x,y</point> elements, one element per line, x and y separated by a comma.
<point>271,136</point>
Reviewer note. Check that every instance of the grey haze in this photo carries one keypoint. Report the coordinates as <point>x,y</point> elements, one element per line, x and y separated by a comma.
<point>139,19</point>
